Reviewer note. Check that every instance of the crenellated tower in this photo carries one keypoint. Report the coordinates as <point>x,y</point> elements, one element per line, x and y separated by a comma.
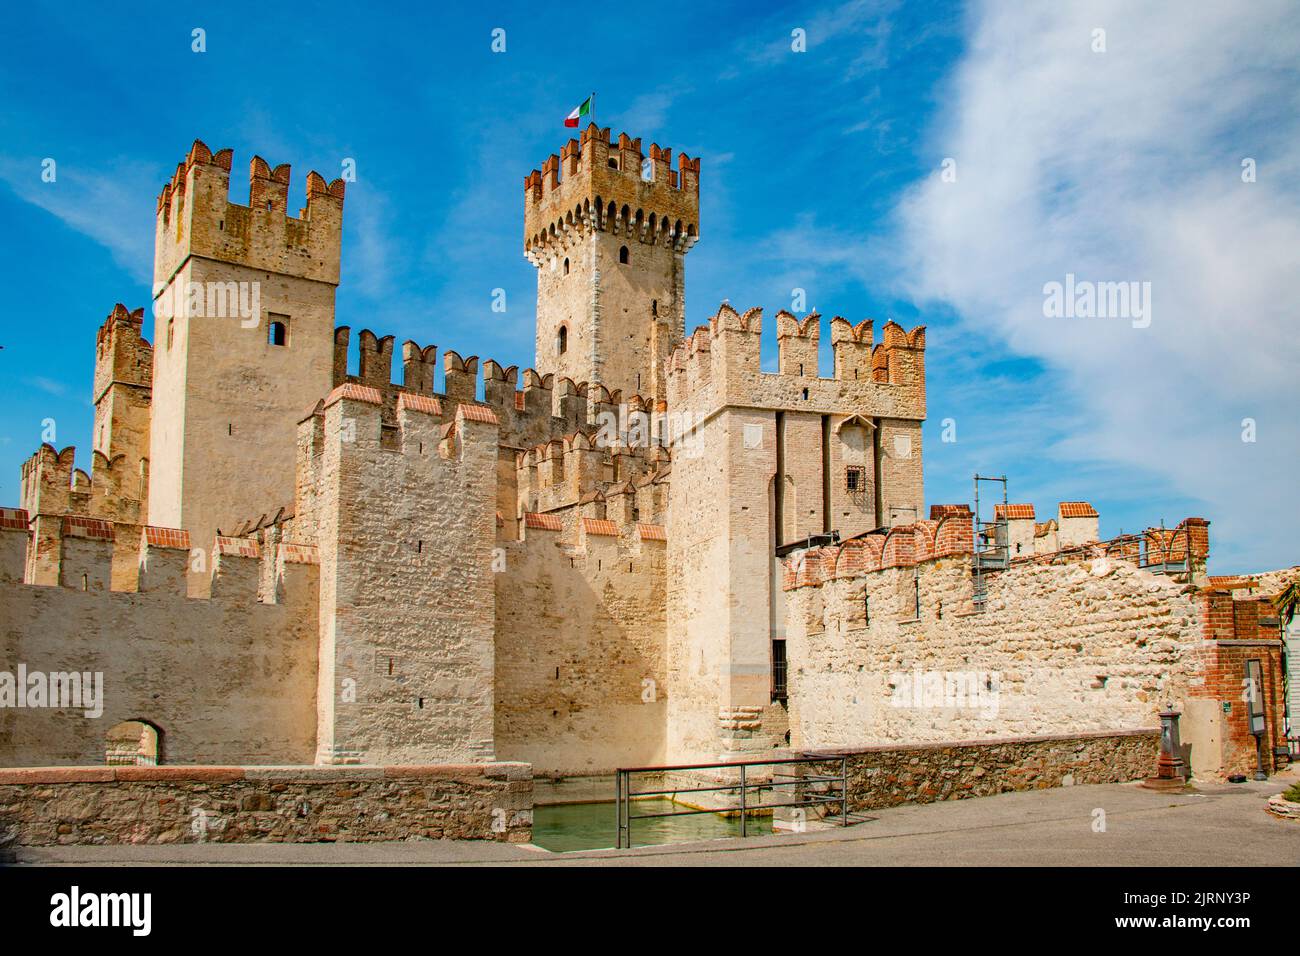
<point>243,338</point>
<point>608,230</point>
<point>762,461</point>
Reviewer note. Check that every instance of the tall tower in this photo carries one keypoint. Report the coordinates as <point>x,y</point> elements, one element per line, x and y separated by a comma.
<point>608,232</point>
<point>243,339</point>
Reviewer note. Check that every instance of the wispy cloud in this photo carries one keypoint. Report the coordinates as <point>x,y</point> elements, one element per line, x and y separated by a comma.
<point>47,385</point>
<point>1125,165</point>
<point>110,203</point>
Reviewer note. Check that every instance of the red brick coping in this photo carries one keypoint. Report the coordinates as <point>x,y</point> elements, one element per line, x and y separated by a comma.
<point>208,774</point>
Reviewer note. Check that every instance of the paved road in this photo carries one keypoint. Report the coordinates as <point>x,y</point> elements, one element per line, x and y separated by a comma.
<point>1223,825</point>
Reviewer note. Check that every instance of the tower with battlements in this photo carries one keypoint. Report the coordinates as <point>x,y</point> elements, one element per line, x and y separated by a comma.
<point>761,462</point>
<point>243,337</point>
<point>608,229</point>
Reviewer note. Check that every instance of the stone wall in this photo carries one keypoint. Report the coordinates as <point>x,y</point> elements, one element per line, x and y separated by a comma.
<point>1089,646</point>
<point>887,776</point>
<point>50,806</point>
<point>581,682</point>
<point>230,678</point>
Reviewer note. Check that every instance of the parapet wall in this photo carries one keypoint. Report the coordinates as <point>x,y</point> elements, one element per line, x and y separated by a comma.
<point>886,776</point>
<point>545,407</point>
<point>626,483</point>
<point>950,531</point>
<point>47,806</point>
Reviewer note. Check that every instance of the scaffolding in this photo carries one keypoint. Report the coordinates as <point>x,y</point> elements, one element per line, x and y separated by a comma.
<point>989,547</point>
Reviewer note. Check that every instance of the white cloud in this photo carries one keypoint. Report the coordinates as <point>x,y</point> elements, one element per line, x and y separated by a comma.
<point>1126,165</point>
<point>47,385</point>
<point>111,203</point>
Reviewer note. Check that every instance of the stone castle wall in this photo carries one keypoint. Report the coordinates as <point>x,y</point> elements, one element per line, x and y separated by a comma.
<point>581,677</point>
<point>405,517</point>
<point>229,678</point>
<point>1066,649</point>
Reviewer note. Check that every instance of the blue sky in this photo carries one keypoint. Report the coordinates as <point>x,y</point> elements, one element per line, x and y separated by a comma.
<point>821,171</point>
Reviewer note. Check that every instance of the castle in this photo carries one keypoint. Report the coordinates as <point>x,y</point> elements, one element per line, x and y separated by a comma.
<point>645,550</point>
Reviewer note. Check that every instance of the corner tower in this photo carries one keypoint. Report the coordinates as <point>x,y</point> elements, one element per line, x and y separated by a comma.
<point>608,230</point>
<point>243,338</point>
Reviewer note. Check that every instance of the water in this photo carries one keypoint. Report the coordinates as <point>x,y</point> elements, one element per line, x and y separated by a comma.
<point>591,826</point>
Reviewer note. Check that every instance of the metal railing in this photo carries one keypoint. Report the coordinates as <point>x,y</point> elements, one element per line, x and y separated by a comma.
<point>742,786</point>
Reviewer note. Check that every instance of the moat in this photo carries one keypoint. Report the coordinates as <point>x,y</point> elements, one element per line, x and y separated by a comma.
<point>566,827</point>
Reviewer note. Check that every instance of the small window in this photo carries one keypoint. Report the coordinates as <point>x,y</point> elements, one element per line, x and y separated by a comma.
<point>855,479</point>
<point>613,163</point>
<point>622,254</point>
<point>268,205</point>
<point>566,267</point>
<point>562,340</point>
<point>277,332</point>
<point>171,332</point>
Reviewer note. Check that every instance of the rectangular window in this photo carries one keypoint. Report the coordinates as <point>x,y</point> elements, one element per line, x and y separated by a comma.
<point>855,479</point>
<point>779,691</point>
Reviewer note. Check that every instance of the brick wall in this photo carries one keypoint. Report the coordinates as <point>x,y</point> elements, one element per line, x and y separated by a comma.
<point>1235,632</point>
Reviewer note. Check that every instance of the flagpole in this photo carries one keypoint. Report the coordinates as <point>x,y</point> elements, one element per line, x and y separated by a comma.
<point>593,106</point>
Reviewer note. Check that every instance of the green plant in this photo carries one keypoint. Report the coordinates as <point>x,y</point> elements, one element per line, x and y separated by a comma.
<point>1287,602</point>
<point>1292,793</point>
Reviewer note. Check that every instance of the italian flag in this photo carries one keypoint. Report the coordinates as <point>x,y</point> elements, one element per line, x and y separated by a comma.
<point>575,117</point>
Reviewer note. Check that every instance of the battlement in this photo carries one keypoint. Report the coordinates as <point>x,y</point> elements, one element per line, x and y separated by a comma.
<point>421,426</point>
<point>52,485</point>
<point>195,217</point>
<point>543,408</point>
<point>122,354</point>
<point>598,184</point>
<point>616,480</point>
<point>950,533</point>
<point>85,554</point>
<point>719,364</point>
